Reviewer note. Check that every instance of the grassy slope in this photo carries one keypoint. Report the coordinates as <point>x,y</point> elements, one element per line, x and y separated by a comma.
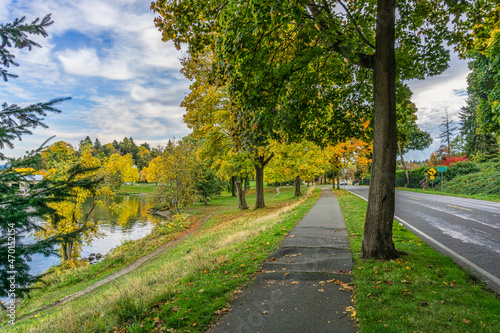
<point>420,292</point>
<point>187,287</point>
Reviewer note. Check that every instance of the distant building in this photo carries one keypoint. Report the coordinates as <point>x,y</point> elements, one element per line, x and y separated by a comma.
<point>31,180</point>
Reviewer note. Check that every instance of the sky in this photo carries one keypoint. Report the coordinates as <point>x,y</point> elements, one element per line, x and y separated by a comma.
<point>125,82</point>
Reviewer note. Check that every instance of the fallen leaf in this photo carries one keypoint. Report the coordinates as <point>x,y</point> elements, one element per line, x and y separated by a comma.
<point>265,312</point>
<point>294,282</point>
<point>466,321</point>
<point>321,290</point>
<point>351,310</point>
<point>291,236</point>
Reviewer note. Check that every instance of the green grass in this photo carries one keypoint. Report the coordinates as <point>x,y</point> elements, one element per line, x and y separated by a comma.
<point>190,285</point>
<point>420,292</point>
<point>137,188</point>
<point>437,190</point>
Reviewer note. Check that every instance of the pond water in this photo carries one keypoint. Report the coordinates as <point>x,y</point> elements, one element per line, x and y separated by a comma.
<point>123,218</point>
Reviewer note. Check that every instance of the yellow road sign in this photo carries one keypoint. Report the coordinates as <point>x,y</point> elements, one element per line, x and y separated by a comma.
<point>431,172</point>
<point>432,177</point>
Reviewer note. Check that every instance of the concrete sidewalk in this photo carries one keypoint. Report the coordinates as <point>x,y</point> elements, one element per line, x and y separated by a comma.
<point>300,289</point>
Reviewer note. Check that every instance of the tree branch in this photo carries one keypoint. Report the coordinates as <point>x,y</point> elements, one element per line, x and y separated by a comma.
<point>361,59</point>
<point>356,25</point>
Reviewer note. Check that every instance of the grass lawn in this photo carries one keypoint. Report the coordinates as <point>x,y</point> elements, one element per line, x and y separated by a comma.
<point>136,188</point>
<point>186,288</point>
<point>422,291</point>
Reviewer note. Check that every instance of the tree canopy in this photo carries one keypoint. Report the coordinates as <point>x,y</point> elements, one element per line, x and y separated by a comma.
<point>319,69</point>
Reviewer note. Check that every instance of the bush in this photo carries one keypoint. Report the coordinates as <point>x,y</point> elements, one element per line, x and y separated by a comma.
<point>478,183</point>
<point>461,169</point>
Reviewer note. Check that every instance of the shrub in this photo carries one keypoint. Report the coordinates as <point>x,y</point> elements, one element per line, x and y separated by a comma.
<point>461,169</point>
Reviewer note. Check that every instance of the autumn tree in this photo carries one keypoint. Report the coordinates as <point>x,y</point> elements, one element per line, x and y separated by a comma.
<point>21,211</point>
<point>295,161</point>
<point>177,173</point>
<point>316,69</point>
<point>351,151</point>
<point>73,216</point>
<point>120,169</point>
<point>208,114</point>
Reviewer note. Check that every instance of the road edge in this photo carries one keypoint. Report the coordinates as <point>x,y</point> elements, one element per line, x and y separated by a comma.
<point>491,281</point>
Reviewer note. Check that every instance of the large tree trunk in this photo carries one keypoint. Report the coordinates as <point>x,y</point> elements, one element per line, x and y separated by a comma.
<point>297,186</point>
<point>242,202</point>
<point>377,237</point>
<point>404,165</point>
<point>259,164</point>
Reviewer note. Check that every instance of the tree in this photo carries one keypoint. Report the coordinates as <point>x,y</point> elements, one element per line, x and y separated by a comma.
<point>447,129</point>
<point>177,172</point>
<point>410,137</point>
<point>339,156</point>
<point>484,79</point>
<point>207,113</point>
<point>120,169</point>
<point>295,161</point>
<point>476,143</point>
<point>305,68</point>
<point>20,211</point>
<point>71,214</point>
<point>208,184</point>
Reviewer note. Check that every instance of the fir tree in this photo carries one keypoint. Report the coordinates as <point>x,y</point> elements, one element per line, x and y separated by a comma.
<point>21,207</point>
<point>447,130</point>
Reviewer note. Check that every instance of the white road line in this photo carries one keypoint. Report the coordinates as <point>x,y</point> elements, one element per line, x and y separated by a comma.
<point>489,279</point>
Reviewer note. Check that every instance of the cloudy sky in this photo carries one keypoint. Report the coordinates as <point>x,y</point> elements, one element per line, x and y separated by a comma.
<point>125,82</point>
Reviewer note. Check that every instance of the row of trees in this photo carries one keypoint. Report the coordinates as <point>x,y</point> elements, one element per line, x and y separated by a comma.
<point>316,70</point>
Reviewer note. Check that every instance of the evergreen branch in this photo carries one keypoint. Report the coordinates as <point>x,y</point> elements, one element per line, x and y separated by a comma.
<point>15,35</point>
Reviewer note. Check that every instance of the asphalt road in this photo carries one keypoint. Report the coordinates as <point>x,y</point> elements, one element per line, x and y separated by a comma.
<point>467,230</point>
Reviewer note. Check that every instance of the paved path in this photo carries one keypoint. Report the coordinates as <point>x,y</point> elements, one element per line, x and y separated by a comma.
<point>299,289</point>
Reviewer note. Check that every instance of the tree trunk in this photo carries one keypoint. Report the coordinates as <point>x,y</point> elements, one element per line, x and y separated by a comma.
<point>259,186</point>
<point>377,236</point>
<point>404,165</point>
<point>233,186</point>
<point>297,186</point>
<point>242,202</point>
<point>259,164</point>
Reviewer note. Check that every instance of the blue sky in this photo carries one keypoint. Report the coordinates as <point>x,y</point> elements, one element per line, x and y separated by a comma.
<point>125,82</point>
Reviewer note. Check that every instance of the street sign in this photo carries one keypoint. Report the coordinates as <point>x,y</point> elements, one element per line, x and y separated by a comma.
<point>432,177</point>
<point>431,172</point>
<point>442,169</point>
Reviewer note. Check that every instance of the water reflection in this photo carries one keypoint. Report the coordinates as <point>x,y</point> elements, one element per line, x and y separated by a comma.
<point>122,218</point>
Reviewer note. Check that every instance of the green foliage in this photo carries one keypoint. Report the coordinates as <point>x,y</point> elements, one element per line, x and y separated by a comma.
<point>468,180</point>
<point>208,185</point>
<point>461,169</point>
<point>484,78</point>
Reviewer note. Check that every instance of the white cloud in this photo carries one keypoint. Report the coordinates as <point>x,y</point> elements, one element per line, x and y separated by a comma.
<point>436,95</point>
<point>85,62</point>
